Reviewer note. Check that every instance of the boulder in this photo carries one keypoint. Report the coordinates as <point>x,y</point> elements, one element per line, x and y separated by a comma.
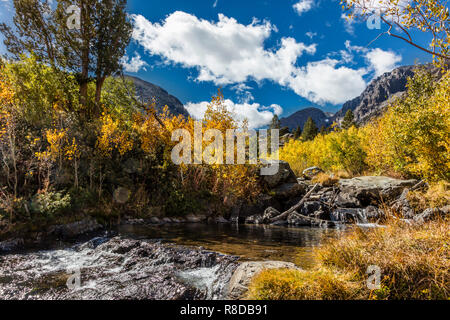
<point>240,280</point>
<point>290,190</point>
<point>373,189</point>
<point>309,208</point>
<point>310,173</point>
<point>347,200</point>
<point>242,211</point>
<point>295,219</point>
<point>284,175</point>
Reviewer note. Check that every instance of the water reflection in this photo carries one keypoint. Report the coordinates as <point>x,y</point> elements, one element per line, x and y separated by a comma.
<point>250,242</point>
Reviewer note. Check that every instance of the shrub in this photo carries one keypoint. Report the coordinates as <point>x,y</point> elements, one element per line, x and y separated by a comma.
<point>51,204</point>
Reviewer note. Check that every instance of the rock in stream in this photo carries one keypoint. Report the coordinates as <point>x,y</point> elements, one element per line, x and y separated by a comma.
<point>112,269</point>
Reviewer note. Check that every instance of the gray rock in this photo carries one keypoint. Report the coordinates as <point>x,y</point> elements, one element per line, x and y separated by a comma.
<point>269,213</point>
<point>242,211</point>
<point>243,275</point>
<point>284,175</point>
<point>255,219</point>
<point>290,190</point>
<point>347,200</point>
<point>373,189</point>
<point>348,215</point>
<point>73,230</point>
<point>311,172</point>
<point>11,245</point>
<point>429,214</point>
<point>195,219</point>
<point>310,207</point>
<point>295,219</point>
<point>155,220</point>
<point>373,214</point>
<point>403,207</point>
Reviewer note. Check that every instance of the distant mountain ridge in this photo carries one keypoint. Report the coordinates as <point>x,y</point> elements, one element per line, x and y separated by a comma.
<point>369,105</point>
<point>299,118</point>
<point>147,91</point>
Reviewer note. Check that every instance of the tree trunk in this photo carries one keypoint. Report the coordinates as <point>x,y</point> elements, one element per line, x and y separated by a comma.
<point>98,92</point>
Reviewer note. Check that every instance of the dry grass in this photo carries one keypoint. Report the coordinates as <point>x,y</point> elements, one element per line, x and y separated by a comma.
<point>437,196</point>
<point>325,180</point>
<point>414,261</point>
<point>285,284</point>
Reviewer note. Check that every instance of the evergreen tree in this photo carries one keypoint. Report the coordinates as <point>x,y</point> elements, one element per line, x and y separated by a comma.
<point>323,130</point>
<point>310,130</point>
<point>276,123</point>
<point>297,133</point>
<point>349,120</point>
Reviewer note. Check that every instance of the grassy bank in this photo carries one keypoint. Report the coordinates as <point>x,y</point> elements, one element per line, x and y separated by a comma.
<point>414,263</point>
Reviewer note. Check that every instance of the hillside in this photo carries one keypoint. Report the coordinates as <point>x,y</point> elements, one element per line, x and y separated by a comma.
<point>146,91</point>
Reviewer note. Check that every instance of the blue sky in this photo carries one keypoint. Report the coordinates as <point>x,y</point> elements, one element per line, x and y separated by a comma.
<point>269,56</point>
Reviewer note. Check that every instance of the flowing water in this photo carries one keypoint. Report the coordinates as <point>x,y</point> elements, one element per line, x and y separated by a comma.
<point>249,242</point>
<point>186,261</point>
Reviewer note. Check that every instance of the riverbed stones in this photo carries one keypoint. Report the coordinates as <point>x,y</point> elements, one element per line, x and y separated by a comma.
<point>242,276</point>
<point>75,229</point>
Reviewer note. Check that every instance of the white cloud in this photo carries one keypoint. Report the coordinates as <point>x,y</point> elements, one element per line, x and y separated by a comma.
<point>382,61</point>
<point>134,64</point>
<point>311,35</point>
<point>229,53</point>
<point>257,115</point>
<point>325,81</point>
<point>224,52</point>
<point>303,6</point>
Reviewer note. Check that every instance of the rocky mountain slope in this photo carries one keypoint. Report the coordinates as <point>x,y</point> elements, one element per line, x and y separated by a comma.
<point>299,118</point>
<point>146,91</point>
<point>369,105</point>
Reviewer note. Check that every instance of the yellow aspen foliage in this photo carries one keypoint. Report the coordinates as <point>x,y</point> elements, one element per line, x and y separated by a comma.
<point>113,136</point>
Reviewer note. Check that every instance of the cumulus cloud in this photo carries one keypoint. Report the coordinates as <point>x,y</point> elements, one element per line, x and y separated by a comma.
<point>326,81</point>
<point>224,52</point>
<point>303,6</point>
<point>134,64</point>
<point>256,114</point>
<point>382,61</point>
